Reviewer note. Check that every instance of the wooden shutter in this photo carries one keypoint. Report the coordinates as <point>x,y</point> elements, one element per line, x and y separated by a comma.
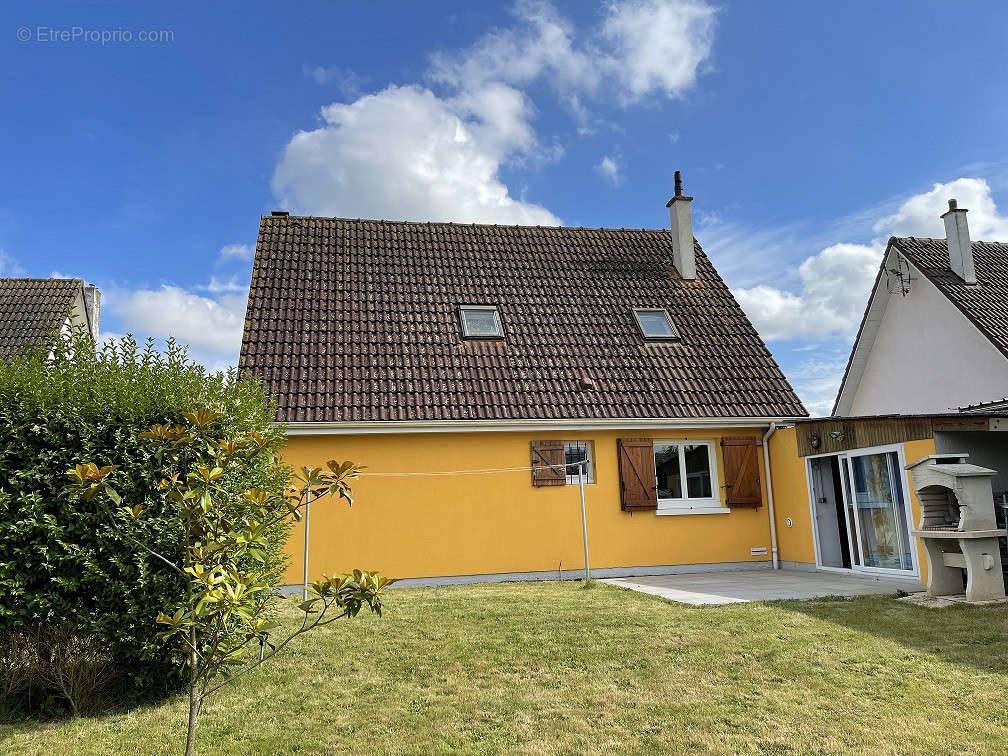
<point>742,471</point>
<point>548,463</point>
<point>638,487</point>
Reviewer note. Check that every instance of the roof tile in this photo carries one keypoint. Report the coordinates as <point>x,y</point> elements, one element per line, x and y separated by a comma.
<point>357,320</point>
<point>33,309</point>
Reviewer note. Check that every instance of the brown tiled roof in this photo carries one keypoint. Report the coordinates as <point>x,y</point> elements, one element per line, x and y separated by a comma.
<point>984,303</point>
<point>33,309</point>
<point>357,320</point>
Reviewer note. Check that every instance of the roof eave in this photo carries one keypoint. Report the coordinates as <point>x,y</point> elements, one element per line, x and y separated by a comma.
<point>549,424</point>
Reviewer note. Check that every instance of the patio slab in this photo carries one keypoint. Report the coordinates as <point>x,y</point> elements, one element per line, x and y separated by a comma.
<point>762,585</point>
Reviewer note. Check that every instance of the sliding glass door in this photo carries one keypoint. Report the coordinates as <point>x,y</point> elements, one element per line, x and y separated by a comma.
<point>877,507</point>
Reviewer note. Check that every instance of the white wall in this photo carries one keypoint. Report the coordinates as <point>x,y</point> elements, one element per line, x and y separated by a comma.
<point>927,357</point>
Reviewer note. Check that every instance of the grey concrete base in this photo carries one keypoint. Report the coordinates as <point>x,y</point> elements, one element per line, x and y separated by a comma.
<point>596,573</point>
<point>800,566</point>
<point>943,602</point>
<point>740,587</point>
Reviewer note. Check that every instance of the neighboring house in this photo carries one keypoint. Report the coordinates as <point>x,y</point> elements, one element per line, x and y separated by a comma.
<point>34,310</point>
<point>935,333</point>
<point>928,374</point>
<point>466,365</point>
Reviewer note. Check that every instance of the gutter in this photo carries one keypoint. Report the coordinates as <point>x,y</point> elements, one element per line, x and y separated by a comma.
<point>769,490</point>
<point>549,425</point>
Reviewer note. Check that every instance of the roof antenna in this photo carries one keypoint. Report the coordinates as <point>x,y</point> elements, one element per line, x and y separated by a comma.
<point>678,183</point>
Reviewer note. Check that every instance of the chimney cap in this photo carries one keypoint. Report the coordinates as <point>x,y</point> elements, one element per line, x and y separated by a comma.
<point>678,191</point>
<point>954,208</point>
<point>279,213</point>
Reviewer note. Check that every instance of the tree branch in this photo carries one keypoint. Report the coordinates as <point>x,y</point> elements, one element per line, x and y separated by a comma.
<point>273,653</point>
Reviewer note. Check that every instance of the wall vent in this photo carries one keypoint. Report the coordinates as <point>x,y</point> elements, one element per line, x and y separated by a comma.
<point>758,551</point>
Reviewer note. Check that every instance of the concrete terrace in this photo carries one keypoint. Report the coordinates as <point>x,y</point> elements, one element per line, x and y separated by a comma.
<point>762,585</point>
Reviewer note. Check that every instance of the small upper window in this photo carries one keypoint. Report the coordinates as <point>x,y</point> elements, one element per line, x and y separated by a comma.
<point>480,322</point>
<point>656,324</point>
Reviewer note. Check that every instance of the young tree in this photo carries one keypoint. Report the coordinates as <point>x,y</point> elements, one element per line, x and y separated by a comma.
<point>230,603</point>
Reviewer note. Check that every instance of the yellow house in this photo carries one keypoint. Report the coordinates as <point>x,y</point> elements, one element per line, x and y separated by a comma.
<point>478,371</point>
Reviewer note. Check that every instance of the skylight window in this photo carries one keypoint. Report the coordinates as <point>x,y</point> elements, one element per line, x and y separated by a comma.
<point>480,322</point>
<point>656,324</point>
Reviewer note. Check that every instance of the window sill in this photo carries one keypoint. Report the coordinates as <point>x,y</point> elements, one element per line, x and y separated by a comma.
<point>687,510</point>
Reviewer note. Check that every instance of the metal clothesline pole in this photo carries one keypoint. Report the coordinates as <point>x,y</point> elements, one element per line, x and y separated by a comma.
<point>584,517</point>
<point>307,520</point>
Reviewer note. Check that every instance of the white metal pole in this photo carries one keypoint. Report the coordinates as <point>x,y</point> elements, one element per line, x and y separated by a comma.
<point>307,530</point>
<point>584,518</point>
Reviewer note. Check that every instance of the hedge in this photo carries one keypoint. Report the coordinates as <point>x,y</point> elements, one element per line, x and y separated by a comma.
<point>61,560</point>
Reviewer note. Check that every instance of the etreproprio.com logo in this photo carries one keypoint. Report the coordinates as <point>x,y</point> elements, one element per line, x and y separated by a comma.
<point>82,34</point>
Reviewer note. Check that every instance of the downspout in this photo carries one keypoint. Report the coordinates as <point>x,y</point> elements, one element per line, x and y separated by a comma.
<point>769,491</point>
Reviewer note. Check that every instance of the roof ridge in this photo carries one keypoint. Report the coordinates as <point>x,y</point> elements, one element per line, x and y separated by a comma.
<point>456,223</point>
<point>40,278</point>
<point>943,240</point>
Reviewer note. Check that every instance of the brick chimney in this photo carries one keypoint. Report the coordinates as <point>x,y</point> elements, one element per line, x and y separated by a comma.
<point>960,248</point>
<point>92,304</point>
<point>683,253</point>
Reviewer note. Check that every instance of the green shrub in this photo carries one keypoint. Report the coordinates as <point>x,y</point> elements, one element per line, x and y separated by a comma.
<point>62,559</point>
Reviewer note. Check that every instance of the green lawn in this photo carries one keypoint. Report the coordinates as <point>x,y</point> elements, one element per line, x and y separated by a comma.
<point>552,667</point>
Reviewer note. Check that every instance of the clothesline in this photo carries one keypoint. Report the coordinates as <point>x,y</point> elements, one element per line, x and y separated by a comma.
<point>485,471</point>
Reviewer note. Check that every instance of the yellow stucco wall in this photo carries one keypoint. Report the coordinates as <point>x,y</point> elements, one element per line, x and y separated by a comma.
<point>791,497</point>
<point>790,490</point>
<point>912,451</point>
<point>495,523</point>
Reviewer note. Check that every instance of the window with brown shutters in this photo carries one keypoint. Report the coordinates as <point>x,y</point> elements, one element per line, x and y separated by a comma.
<point>548,463</point>
<point>742,472</point>
<point>638,486</point>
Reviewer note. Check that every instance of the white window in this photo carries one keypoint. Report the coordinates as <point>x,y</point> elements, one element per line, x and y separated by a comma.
<point>656,324</point>
<point>480,322</point>
<point>574,452</point>
<point>686,475</point>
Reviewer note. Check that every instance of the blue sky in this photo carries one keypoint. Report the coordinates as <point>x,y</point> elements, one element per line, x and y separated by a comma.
<point>808,133</point>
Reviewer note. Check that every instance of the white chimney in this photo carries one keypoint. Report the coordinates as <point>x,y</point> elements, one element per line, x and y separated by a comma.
<point>92,304</point>
<point>683,253</point>
<point>959,247</point>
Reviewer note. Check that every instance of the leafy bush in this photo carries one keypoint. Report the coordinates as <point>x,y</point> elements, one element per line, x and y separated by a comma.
<point>62,558</point>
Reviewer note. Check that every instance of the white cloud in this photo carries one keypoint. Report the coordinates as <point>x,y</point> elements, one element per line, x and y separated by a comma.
<point>834,288</point>
<point>211,326</point>
<point>919,215</point>
<point>640,47</point>
<point>834,284</point>
<point>236,283</point>
<point>410,152</point>
<point>657,45</point>
<point>817,382</point>
<point>348,82</point>
<point>405,153</point>
<point>610,168</point>
<point>9,266</point>
<point>243,252</point>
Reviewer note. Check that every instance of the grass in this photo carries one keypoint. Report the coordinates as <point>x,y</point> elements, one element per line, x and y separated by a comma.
<point>548,667</point>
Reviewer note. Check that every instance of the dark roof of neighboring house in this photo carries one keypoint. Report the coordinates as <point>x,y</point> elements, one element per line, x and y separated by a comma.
<point>33,309</point>
<point>995,406</point>
<point>985,303</point>
<point>357,320</point>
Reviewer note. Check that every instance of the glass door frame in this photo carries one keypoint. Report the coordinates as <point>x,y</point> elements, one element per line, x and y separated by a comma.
<point>847,486</point>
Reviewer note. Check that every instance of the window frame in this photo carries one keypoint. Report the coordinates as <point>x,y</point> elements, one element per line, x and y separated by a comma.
<point>572,477</point>
<point>687,504</point>
<point>674,336</point>
<point>462,309</point>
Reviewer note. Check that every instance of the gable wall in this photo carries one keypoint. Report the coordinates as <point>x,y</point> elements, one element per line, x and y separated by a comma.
<point>927,357</point>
